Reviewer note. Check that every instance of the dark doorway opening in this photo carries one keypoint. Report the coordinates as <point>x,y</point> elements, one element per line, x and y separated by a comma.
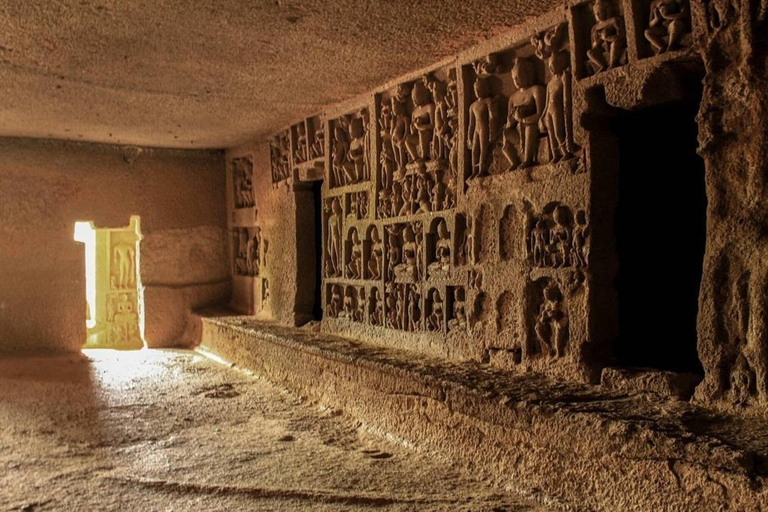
<point>317,308</point>
<point>660,237</point>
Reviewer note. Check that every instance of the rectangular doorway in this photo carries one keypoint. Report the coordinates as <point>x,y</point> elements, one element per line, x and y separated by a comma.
<point>660,237</point>
<point>114,296</point>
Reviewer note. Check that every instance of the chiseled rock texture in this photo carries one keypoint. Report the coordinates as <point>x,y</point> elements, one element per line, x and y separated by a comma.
<point>586,447</point>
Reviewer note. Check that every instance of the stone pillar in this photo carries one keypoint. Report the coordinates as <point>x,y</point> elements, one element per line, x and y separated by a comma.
<point>733,140</point>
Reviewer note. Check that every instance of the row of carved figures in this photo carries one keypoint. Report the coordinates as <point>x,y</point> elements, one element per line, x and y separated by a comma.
<point>421,192</point>
<point>308,146</point>
<point>419,122</point>
<point>350,150</point>
<point>401,309</point>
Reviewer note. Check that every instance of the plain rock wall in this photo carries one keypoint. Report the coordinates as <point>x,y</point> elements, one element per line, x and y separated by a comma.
<point>47,186</point>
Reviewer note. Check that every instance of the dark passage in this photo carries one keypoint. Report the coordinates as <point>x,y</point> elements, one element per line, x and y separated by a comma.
<point>661,229</point>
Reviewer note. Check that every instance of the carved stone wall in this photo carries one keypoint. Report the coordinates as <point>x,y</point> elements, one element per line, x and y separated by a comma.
<point>467,210</point>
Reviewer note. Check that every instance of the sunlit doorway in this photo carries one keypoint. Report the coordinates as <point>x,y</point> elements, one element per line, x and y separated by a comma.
<point>114,313</point>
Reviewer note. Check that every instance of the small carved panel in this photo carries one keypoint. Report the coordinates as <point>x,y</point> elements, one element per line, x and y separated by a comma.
<point>439,250</point>
<point>403,307</point>
<point>280,161</point>
<point>242,181</point>
<point>603,37</point>
<point>418,128</point>
<point>246,250</point>
<point>559,238</point>
<point>667,27</point>
<point>374,254</point>
<point>350,149</point>
<point>300,140</point>
<point>404,246</point>
<point>316,137</point>
<point>520,113</point>
<point>457,308</point>
<point>334,213</point>
<point>357,205</point>
<point>549,319</point>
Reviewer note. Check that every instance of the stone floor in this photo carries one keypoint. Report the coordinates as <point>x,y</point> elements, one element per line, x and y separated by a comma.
<point>174,430</point>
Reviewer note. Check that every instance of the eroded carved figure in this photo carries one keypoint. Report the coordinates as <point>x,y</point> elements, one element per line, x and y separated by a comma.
<point>525,111</point>
<point>355,265</point>
<point>125,263</point>
<point>435,318</point>
<point>608,39</point>
<point>485,122</point>
<point>557,120</point>
<point>334,238</point>
<point>376,261</point>
<point>459,314</point>
<point>442,257</point>
<point>552,322</point>
<point>668,24</point>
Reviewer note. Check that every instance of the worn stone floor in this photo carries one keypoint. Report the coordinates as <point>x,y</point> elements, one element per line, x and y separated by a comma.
<point>174,430</point>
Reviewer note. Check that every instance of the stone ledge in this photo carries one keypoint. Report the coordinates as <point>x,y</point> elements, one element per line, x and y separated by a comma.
<point>585,447</point>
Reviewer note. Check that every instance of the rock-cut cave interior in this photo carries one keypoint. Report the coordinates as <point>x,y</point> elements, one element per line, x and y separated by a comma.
<point>438,255</point>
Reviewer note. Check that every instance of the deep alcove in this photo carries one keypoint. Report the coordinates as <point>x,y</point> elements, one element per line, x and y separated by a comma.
<point>660,237</point>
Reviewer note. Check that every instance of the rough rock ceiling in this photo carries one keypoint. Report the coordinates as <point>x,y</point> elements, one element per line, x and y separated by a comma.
<point>215,73</point>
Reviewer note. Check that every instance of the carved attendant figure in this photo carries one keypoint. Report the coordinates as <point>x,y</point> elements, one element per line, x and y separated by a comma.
<point>334,306</point>
<point>435,318</point>
<point>579,237</point>
<point>539,243</point>
<point>609,41</point>
<point>560,238</point>
<point>339,154</point>
<point>400,128</point>
<point>459,319</point>
<point>334,238</point>
<point>375,315</point>
<point>526,107</point>
<point>377,255</point>
<point>300,155</point>
<point>387,157</point>
<point>414,311</point>
<point>318,147</point>
<point>355,266</point>
<point>358,151</point>
<point>552,322</point>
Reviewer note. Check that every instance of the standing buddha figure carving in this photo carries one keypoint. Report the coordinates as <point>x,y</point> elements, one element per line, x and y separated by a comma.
<point>526,107</point>
<point>400,128</point>
<point>441,135</point>
<point>334,238</point>
<point>485,122</point>
<point>422,125</point>
<point>339,154</point>
<point>358,150</point>
<point>387,157</point>
<point>608,38</point>
<point>557,117</point>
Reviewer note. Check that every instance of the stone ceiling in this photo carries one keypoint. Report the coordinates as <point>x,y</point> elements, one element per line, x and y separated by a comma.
<point>215,73</point>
